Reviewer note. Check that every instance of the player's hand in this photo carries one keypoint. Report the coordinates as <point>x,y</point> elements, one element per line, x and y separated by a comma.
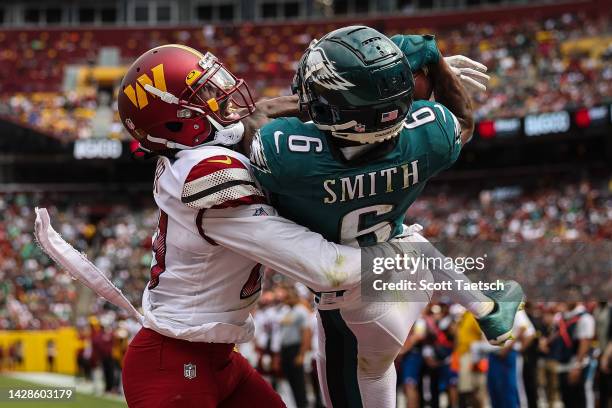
<point>470,72</point>
<point>299,360</point>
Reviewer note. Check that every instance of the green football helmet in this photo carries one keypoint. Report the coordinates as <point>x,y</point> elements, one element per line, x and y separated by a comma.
<point>355,83</point>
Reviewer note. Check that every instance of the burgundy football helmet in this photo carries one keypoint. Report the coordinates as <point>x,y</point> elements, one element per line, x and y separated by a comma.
<point>174,97</point>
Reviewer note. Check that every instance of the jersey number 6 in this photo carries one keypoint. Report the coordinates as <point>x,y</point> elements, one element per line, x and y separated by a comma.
<point>353,224</point>
<point>299,143</point>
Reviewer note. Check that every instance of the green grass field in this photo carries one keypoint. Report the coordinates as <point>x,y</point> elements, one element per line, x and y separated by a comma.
<point>80,400</point>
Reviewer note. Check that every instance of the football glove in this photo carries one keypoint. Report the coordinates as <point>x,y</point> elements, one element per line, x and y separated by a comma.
<point>470,72</point>
<point>421,50</point>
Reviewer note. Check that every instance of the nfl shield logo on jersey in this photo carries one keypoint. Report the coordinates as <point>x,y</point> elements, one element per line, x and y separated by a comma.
<point>189,370</point>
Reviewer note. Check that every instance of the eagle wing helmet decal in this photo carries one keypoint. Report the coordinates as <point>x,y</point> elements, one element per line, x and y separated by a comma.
<point>323,71</point>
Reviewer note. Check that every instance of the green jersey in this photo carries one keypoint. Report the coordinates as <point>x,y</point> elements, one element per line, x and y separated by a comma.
<point>359,201</point>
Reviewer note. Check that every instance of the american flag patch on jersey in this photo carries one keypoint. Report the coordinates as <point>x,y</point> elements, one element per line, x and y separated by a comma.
<point>220,182</point>
<point>389,116</point>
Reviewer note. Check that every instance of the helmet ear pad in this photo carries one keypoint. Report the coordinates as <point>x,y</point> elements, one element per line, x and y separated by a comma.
<point>174,126</point>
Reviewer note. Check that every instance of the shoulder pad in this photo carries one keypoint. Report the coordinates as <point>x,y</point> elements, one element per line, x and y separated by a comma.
<point>220,181</point>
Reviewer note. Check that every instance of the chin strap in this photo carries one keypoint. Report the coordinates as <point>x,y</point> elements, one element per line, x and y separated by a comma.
<point>142,153</point>
<point>340,126</point>
<point>225,135</point>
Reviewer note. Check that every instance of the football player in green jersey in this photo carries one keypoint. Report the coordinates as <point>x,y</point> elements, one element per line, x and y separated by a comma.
<point>352,173</point>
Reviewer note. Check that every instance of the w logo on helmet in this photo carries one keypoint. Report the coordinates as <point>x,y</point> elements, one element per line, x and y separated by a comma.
<point>138,96</point>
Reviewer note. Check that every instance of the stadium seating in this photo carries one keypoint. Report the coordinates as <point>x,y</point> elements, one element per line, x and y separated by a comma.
<point>537,64</point>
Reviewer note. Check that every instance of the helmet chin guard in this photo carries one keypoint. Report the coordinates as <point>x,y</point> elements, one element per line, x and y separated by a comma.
<point>226,136</point>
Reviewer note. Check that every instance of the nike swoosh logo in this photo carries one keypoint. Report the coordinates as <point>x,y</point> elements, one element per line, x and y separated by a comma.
<point>227,160</point>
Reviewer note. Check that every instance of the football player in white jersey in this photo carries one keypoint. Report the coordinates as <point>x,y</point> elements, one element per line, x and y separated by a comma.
<point>214,230</point>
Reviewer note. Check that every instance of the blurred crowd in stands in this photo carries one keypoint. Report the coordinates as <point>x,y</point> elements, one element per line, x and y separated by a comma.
<point>561,352</point>
<point>34,294</point>
<point>536,64</point>
<point>539,66</point>
<point>66,116</point>
<point>116,237</point>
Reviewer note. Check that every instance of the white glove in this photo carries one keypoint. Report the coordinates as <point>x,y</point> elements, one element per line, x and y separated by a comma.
<point>471,73</point>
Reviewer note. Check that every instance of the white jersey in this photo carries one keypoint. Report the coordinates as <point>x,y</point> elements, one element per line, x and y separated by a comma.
<point>214,229</point>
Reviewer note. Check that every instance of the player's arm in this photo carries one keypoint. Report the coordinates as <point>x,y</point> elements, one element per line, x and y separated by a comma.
<point>450,93</point>
<point>233,214</point>
<point>451,76</point>
<point>266,110</point>
<point>256,232</point>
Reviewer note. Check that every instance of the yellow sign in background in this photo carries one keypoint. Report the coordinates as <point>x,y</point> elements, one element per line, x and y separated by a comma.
<point>34,343</point>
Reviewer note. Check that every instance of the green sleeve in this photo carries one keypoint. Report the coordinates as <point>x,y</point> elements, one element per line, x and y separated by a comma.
<point>446,141</point>
<point>421,50</point>
<point>443,133</point>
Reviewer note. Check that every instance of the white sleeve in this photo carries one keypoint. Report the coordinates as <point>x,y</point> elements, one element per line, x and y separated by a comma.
<point>585,329</point>
<point>522,321</point>
<point>256,232</point>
